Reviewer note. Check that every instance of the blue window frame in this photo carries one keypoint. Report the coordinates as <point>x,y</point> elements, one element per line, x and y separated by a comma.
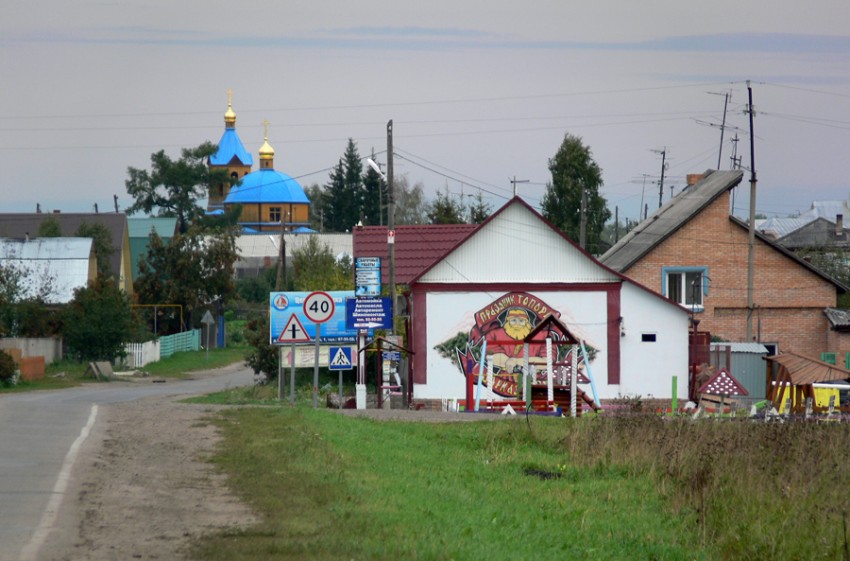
<point>687,286</point>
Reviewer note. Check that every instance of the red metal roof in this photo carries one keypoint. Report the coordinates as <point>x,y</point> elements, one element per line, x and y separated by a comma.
<point>416,247</point>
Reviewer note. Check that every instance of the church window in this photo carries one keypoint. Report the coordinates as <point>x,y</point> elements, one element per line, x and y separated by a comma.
<point>274,214</point>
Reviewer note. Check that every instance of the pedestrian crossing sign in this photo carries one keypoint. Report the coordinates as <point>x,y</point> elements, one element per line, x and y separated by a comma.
<point>340,358</point>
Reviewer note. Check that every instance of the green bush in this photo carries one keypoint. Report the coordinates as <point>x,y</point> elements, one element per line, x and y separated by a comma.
<point>8,368</point>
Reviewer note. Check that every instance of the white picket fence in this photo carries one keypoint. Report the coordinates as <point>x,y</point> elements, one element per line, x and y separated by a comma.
<point>140,354</point>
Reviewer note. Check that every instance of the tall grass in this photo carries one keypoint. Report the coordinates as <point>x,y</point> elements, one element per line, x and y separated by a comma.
<point>333,487</point>
<point>755,490</point>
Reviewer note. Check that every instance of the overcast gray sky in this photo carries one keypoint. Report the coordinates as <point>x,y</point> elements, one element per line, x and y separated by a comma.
<point>479,92</point>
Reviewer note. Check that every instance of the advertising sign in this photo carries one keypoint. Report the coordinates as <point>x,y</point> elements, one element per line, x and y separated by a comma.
<point>284,305</point>
<point>367,276</point>
<point>369,313</point>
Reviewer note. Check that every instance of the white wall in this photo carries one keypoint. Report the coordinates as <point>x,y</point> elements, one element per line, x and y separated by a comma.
<point>645,368</point>
<point>584,313</point>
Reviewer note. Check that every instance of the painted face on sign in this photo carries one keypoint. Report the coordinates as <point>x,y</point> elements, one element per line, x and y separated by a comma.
<point>517,325</point>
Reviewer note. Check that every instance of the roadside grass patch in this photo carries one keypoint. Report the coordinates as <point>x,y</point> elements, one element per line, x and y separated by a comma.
<point>180,365</point>
<point>329,486</point>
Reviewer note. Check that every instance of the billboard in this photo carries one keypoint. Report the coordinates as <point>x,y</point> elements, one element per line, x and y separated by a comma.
<point>284,305</point>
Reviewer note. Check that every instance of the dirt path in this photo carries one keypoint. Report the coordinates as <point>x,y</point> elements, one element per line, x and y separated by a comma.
<point>143,488</point>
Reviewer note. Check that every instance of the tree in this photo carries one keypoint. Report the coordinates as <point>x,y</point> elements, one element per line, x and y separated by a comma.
<point>317,206</point>
<point>409,206</point>
<point>374,197</point>
<point>98,322</point>
<point>445,210</point>
<point>102,242</point>
<point>478,211</point>
<point>344,195</point>
<point>193,270</point>
<point>574,170</point>
<point>263,356</point>
<point>49,228</point>
<point>316,268</point>
<point>173,188</point>
<point>23,293</point>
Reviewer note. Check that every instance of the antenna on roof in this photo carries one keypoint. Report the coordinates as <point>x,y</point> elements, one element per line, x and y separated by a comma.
<point>115,198</point>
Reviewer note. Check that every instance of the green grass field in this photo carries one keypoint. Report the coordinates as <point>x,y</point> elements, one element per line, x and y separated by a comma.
<point>328,486</point>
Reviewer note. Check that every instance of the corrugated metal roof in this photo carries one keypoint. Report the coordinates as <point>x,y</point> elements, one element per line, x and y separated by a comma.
<point>744,347</point>
<point>669,218</point>
<point>839,319</point>
<point>805,370</point>
<point>229,147</point>
<point>19,225</point>
<point>416,246</point>
<point>267,186</point>
<point>266,245</point>
<point>780,227</point>
<point>64,263</point>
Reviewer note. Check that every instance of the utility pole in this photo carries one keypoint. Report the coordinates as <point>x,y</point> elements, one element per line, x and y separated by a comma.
<point>391,220</point>
<point>280,282</point>
<point>616,224</point>
<point>582,235</point>
<point>722,129</point>
<point>751,249</point>
<point>736,160</point>
<point>514,181</point>
<point>726,96</point>
<point>663,153</point>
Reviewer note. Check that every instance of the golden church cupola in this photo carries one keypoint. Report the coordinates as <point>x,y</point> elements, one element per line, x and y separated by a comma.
<point>266,150</point>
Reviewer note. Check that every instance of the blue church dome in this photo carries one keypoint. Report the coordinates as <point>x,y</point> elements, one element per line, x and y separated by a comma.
<point>267,186</point>
<point>230,146</point>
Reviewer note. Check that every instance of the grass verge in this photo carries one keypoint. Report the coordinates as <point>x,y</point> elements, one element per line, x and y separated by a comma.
<point>333,487</point>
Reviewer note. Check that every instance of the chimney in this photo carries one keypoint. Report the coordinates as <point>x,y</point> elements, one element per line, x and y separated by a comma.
<point>839,225</point>
<point>694,178</point>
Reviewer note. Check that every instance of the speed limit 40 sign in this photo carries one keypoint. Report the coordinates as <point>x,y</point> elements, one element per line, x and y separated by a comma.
<point>319,307</point>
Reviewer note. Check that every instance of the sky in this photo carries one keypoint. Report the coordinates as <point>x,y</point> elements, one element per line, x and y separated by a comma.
<point>480,93</point>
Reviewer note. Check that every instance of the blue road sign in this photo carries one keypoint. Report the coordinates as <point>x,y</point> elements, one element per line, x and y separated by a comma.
<point>339,358</point>
<point>284,305</point>
<point>368,313</point>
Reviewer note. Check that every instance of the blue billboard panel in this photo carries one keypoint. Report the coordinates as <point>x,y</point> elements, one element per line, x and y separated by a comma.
<point>283,305</point>
<point>369,313</point>
<point>367,276</point>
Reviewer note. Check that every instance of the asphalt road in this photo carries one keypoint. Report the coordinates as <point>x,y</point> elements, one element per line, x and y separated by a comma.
<point>40,434</point>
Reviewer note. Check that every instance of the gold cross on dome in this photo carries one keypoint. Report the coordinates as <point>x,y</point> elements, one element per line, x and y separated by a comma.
<point>266,128</point>
<point>229,97</point>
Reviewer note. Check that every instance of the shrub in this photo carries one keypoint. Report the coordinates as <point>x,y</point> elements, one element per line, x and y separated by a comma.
<point>8,369</point>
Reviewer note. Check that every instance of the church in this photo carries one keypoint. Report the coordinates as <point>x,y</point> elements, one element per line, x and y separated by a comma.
<point>269,199</point>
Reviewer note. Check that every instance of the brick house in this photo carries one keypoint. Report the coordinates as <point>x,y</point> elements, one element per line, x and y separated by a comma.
<point>695,253</point>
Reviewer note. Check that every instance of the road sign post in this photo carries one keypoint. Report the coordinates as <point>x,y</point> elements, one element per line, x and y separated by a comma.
<point>319,307</point>
<point>208,321</point>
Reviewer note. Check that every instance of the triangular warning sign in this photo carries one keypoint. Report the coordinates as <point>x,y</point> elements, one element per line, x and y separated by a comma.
<point>294,332</point>
<point>340,358</point>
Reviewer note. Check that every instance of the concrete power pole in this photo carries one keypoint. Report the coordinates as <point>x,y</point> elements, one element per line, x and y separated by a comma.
<point>751,248</point>
<point>391,220</point>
